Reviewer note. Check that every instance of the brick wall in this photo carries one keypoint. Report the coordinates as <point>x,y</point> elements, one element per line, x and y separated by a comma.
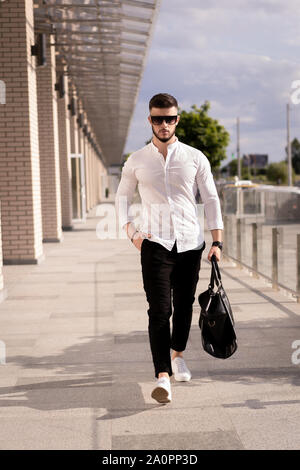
<point>64,153</point>
<point>49,147</point>
<point>19,163</point>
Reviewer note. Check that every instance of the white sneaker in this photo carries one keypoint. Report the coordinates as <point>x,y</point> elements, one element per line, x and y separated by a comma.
<point>180,370</point>
<point>162,392</point>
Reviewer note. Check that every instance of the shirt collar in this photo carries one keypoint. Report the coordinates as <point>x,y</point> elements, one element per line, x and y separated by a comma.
<point>170,146</point>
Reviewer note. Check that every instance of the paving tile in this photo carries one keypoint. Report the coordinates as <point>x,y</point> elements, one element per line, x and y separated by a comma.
<point>217,440</point>
<point>79,371</point>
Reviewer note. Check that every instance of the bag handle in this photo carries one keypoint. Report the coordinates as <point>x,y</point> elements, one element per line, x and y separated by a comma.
<point>215,273</point>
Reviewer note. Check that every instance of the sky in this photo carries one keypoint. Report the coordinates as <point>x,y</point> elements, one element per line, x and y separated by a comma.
<point>241,55</point>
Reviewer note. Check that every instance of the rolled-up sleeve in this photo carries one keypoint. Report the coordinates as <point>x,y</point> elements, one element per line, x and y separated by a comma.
<point>209,194</point>
<point>125,193</point>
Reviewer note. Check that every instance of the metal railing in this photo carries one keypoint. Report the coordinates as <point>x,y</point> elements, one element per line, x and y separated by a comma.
<point>262,232</point>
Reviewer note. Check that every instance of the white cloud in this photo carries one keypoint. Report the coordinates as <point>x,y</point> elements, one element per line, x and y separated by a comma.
<point>238,54</point>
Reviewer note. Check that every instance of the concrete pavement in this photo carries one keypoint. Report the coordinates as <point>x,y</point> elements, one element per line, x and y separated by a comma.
<point>79,372</point>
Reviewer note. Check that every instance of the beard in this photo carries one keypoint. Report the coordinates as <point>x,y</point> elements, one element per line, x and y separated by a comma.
<point>163,139</point>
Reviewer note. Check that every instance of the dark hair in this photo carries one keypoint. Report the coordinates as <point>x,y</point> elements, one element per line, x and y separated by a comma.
<point>162,100</point>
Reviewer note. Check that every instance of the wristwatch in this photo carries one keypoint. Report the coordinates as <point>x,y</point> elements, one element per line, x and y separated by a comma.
<point>131,239</point>
<point>219,244</point>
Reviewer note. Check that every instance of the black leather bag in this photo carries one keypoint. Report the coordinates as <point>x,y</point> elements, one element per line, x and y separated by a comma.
<point>216,320</point>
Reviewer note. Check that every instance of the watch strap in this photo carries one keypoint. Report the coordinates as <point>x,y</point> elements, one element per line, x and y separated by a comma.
<point>131,239</point>
<point>218,244</point>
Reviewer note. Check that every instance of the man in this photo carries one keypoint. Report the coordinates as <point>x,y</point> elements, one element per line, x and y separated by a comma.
<point>171,240</point>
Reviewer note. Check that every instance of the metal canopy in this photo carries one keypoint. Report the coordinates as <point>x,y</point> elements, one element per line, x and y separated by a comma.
<point>103,44</point>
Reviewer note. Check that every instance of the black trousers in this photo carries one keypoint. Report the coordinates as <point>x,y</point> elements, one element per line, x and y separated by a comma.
<point>166,272</point>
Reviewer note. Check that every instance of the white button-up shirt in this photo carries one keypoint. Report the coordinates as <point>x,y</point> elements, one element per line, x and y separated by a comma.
<point>168,189</point>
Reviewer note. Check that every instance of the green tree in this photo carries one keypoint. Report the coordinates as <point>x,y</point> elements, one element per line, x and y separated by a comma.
<point>233,169</point>
<point>125,157</point>
<point>277,173</point>
<point>204,133</point>
<point>295,151</point>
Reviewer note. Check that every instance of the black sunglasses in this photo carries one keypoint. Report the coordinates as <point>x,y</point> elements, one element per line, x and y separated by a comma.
<point>158,120</point>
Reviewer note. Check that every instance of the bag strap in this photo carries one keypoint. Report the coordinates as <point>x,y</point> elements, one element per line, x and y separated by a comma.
<point>215,276</point>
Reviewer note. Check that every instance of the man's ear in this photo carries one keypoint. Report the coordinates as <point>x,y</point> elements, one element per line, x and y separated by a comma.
<point>178,119</point>
<point>149,119</point>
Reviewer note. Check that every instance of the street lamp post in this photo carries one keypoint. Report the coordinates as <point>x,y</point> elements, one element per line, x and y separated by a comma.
<point>238,147</point>
<point>289,153</point>
<point>239,163</point>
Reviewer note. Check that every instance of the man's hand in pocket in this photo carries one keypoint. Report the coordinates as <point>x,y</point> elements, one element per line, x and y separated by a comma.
<point>138,239</point>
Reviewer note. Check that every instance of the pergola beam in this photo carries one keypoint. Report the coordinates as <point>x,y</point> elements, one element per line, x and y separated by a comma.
<point>135,3</point>
<point>103,44</point>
